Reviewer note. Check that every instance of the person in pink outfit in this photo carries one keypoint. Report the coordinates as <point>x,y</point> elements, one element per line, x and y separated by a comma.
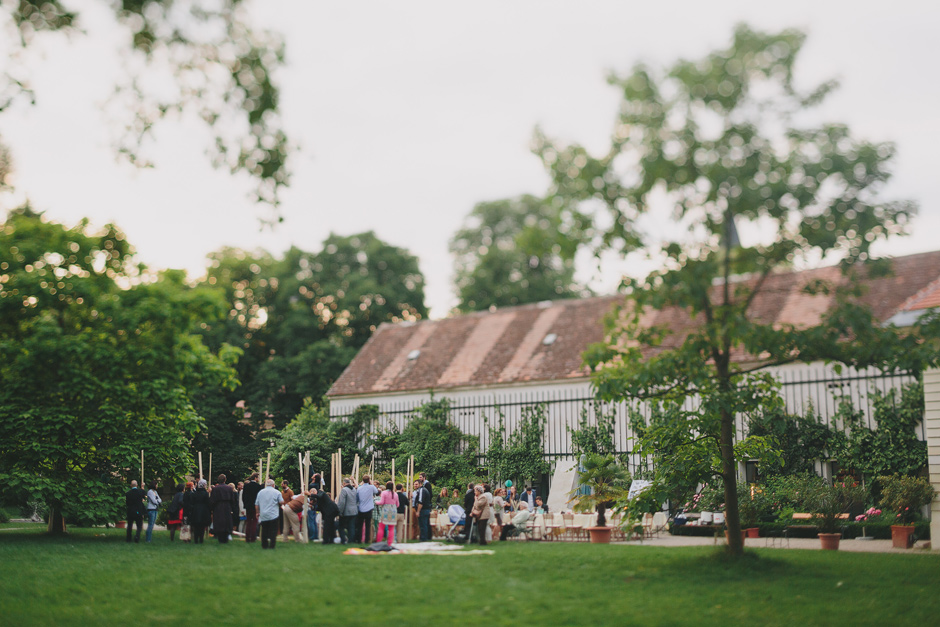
<point>388,512</point>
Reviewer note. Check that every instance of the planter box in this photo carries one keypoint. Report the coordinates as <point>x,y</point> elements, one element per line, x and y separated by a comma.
<point>600,535</point>
<point>901,536</point>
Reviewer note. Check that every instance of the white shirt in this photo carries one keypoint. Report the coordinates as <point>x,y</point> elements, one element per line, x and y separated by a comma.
<point>267,504</point>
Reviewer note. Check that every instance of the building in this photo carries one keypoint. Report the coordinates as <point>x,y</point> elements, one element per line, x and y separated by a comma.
<point>515,357</point>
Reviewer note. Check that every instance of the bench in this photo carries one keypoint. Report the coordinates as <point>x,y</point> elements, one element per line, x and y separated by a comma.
<point>799,517</point>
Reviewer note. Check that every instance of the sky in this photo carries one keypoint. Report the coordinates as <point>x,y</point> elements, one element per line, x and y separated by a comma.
<point>407,114</point>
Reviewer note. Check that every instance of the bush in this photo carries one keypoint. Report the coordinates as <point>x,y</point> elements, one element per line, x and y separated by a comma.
<point>4,517</point>
<point>851,530</point>
<point>905,496</point>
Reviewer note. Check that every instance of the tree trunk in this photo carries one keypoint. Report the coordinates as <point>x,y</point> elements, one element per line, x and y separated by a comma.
<point>729,472</point>
<point>56,521</point>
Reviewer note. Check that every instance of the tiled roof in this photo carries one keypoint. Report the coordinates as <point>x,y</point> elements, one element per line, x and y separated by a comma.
<point>926,298</point>
<point>507,345</point>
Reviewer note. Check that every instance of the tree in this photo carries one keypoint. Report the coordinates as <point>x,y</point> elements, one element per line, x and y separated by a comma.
<point>520,454</point>
<point>201,58</point>
<point>313,430</point>
<point>301,319</point>
<point>96,364</point>
<point>715,144</point>
<point>440,448</point>
<point>516,251</point>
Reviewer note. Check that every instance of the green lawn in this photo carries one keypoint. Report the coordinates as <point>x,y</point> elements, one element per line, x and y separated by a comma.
<point>93,577</point>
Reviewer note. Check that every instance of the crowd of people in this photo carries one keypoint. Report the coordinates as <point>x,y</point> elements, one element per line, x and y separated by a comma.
<point>361,509</point>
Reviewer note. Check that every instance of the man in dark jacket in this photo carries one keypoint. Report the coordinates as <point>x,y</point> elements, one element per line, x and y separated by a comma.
<point>328,513</point>
<point>249,494</point>
<point>423,510</point>
<point>135,510</point>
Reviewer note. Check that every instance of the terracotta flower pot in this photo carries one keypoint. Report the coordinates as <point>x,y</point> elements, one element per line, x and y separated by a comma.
<point>599,535</point>
<point>753,532</point>
<point>901,536</point>
<point>830,541</point>
<point>121,524</point>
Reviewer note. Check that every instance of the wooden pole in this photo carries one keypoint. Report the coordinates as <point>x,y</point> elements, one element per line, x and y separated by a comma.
<point>267,470</point>
<point>210,468</point>
<point>372,468</point>
<point>201,476</point>
<point>261,469</point>
<point>303,488</point>
<point>141,469</point>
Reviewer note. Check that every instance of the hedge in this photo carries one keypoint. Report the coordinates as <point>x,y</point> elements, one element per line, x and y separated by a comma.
<point>878,531</point>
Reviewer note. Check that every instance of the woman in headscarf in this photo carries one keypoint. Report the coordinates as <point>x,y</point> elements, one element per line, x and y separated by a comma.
<point>198,512</point>
<point>221,501</point>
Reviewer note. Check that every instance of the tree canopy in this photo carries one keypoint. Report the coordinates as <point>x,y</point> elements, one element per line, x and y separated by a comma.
<point>515,251</point>
<point>202,58</point>
<point>96,364</point>
<point>301,318</point>
<point>715,145</point>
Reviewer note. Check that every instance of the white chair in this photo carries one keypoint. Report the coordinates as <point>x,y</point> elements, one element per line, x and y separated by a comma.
<point>660,522</point>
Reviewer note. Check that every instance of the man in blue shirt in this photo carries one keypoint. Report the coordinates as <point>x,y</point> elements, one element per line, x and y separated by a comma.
<point>367,493</point>
<point>268,506</point>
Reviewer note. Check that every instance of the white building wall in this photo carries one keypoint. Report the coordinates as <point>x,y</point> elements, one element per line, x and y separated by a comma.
<point>932,422</point>
<point>804,385</point>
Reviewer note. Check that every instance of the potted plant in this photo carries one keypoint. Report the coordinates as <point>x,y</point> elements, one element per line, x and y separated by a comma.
<point>608,481</point>
<point>828,505</point>
<point>750,506</point>
<point>904,496</point>
<point>711,501</point>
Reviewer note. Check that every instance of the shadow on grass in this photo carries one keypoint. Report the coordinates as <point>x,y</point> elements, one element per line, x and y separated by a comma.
<point>750,565</point>
<point>37,533</point>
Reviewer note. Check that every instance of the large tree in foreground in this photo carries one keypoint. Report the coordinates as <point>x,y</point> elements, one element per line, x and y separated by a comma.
<point>713,144</point>
<point>197,59</point>
<point>96,364</point>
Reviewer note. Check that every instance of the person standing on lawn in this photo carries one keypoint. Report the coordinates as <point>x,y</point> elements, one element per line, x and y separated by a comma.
<point>175,512</point>
<point>222,502</point>
<point>468,500</point>
<point>293,512</point>
<point>367,493</point>
<point>402,512</point>
<point>348,512</point>
<point>153,508</point>
<point>423,510</point>
<point>267,508</point>
<point>480,514</point>
<point>388,513</point>
<point>134,502</point>
<point>240,491</point>
<point>198,512</point>
<point>249,494</point>
<point>328,513</point>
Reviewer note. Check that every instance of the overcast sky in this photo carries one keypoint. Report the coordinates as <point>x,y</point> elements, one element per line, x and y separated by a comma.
<point>409,113</point>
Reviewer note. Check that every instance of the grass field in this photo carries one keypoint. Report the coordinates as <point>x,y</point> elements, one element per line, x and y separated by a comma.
<point>94,577</point>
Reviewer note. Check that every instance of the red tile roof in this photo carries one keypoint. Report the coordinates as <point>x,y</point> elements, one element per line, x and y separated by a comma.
<point>507,345</point>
